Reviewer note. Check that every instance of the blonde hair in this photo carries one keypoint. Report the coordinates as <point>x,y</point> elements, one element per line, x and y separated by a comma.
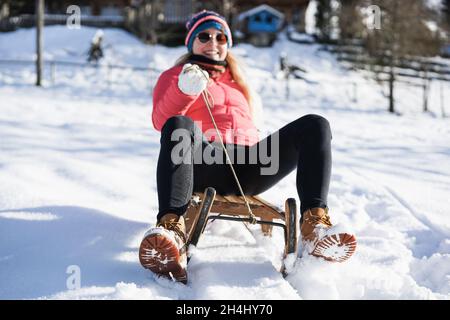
<point>237,74</point>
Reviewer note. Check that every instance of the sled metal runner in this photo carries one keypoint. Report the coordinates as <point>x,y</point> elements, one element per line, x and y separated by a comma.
<point>233,208</point>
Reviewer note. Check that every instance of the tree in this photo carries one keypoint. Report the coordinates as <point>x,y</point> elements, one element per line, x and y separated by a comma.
<point>404,34</point>
<point>446,9</point>
<point>445,16</point>
<point>323,20</point>
<point>350,20</point>
<point>18,7</point>
<point>4,9</point>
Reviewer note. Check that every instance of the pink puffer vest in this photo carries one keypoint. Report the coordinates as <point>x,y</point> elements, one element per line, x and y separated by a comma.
<point>231,110</point>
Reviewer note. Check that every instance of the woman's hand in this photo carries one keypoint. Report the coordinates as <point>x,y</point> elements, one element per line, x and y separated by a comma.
<point>192,80</point>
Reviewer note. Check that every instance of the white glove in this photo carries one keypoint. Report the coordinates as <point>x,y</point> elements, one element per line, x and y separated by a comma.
<point>192,80</point>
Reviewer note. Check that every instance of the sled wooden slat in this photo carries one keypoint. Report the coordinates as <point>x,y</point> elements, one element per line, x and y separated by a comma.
<point>219,198</point>
<point>190,217</point>
<point>274,209</point>
<point>241,210</point>
<point>238,199</point>
<point>233,205</point>
<point>235,199</point>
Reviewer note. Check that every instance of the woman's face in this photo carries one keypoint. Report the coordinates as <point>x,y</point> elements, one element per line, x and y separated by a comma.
<point>212,49</point>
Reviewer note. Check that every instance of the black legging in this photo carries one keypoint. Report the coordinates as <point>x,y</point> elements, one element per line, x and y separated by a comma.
<point>304,144</point>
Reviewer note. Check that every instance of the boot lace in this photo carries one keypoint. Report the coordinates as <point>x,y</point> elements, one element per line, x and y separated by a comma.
<point>174,226</point>
<point>315,219</point>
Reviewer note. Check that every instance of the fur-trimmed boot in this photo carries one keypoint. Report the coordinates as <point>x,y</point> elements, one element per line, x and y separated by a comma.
<point>163,249</point>
<point>321,239</point>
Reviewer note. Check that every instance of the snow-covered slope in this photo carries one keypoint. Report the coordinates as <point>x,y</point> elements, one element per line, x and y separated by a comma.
<point>78,188</point>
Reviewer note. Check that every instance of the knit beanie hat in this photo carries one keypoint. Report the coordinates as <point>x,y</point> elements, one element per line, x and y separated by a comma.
<point>204,20</point>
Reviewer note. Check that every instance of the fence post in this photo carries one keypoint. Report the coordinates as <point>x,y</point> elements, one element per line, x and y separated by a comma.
<point>53,72</point>
<point>442,99</point>
<point>108,75</point>
<point>355,92</point>
<point>150,82</point>
<point>39,12</point>
<point>425,86</point>
<point>287,85</point>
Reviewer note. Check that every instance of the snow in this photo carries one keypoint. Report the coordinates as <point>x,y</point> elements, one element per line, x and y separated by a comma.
<point>310,17</point>
<point>78,189</point>
<point>434,4</point>
<point>260,8</point>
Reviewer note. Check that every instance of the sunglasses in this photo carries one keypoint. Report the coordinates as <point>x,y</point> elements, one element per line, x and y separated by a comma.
<point>204,37</point>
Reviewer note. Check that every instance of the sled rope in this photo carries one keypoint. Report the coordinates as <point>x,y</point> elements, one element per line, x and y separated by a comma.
<point>206,95</point>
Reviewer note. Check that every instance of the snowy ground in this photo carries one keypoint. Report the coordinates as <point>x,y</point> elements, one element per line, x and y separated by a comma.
<point>77,181</point>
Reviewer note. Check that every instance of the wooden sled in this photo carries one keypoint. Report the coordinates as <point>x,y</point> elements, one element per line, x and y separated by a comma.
<point>234,208</point>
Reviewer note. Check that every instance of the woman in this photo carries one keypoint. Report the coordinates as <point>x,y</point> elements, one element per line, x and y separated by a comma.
<point>180,111</point>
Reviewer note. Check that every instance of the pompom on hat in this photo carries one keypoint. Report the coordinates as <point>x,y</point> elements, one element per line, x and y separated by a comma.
<point>204,20</point>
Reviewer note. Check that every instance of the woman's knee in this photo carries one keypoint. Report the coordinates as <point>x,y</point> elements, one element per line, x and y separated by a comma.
<point>177,122</point>
<point>316,124</point>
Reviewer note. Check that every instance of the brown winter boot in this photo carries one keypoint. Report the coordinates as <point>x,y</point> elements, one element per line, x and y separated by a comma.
<point>319,240</point>
<point>163,249</point>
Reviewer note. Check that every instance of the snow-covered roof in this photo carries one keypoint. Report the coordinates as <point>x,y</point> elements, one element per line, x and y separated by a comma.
<point>257,9</point>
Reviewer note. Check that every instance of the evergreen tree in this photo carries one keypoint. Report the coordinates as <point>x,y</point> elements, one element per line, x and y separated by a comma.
<point>350,20</point>
<point>18,7</point>
<point>446,8</point>
<point>323,19</point>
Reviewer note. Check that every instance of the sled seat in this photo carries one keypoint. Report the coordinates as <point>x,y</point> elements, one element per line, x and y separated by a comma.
<point>235,206</point>
<point>211,206</point>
